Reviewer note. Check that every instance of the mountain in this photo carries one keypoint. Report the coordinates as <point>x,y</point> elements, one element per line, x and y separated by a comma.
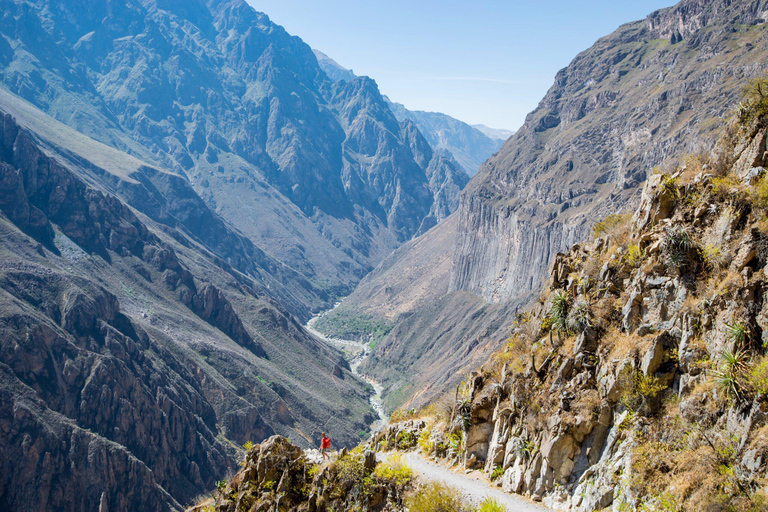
<point>133,359</point>
<point>653,89</point>
<point>333,69</point>
<point>315,174</point>
<point>468,145</point>
<point>494,133</point>
<point>181,186</point>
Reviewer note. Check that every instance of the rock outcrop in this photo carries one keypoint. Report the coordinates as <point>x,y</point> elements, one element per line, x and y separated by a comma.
<point>643,366</point>
<point>277,475</point>
<point>640,95</point>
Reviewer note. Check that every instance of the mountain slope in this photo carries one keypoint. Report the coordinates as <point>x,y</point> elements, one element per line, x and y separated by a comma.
<point>218,94</point>
<point>652,89</point>
<point>638,96</point>
<point>468,145</point>
<point>132,356</point>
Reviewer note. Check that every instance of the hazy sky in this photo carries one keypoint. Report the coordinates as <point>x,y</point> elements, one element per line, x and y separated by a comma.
<point>481,61</point>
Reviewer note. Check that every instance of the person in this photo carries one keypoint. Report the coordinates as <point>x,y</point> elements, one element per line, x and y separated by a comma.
<point>325,444</point>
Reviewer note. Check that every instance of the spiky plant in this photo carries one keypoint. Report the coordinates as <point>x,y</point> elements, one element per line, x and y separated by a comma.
<point>737,332</point>
<point>558,311</point>
<point>676,246</point>
<point>579,317</point>
<point>730,376</point>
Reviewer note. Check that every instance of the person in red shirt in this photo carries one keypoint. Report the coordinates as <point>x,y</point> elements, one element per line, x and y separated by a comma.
<point>325,443</point>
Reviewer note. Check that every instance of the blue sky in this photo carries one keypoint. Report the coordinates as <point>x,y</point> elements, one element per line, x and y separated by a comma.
<point>482,61</point>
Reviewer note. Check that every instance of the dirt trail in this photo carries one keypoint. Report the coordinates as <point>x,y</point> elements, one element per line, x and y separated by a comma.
<point>473,486</point>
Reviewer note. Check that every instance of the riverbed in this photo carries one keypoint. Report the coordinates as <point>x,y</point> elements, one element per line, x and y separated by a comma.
<point>355,352</point>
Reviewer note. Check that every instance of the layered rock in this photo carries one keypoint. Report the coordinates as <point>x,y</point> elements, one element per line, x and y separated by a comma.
<point>646,92</point>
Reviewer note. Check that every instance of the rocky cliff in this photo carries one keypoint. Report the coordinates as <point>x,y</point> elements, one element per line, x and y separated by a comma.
<point>653,89</point>
<point>134,360</point>
<point>638,380</point>
<point>637,97</point>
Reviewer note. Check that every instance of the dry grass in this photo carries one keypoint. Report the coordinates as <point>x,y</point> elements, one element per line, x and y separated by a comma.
<point>621,345</point>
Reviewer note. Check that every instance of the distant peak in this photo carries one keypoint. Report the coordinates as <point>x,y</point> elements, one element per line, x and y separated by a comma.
<point>333,69</point>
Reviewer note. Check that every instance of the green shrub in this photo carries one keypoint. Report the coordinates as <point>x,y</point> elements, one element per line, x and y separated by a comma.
<point>435,497</point>
<point>497,472</point>
<point>491,505</point>
<point>713,256</point>
<point>405,440</point>
<point>640,393</point>
<point>425,441</point>
<point>758,378</point>
<point>608,224</point>
<point>754,108</point>
<point>394,471</point>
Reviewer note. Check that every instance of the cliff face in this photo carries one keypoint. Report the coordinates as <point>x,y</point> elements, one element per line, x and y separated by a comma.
<point>315,174</point>
<point>652,89</point>
<point>132,356</point>
<point>618,110</point>
<point>639,379</point>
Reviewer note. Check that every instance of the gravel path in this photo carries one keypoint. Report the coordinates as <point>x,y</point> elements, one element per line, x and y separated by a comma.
<point>473,485</point>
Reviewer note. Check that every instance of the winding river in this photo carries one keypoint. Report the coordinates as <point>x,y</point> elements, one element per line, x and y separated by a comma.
<point>356,352</point>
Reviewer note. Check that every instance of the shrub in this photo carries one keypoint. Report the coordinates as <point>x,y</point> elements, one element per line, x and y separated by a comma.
<point>248,446</point>
<point>754,108</point>
<point>497,472</point>
<point>713,256</point>
<point>394,471</point>
<point>579,318</point>
<point>670,185</point>
<point>758,378</point>
<point>425,441</point>
<point>608,224</point>
<point>491,505</point>
<point>640,392</point>
<point>435,497</point>
<point>634,255</point>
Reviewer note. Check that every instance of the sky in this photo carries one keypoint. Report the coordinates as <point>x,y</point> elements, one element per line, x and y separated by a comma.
<point>483,61</point>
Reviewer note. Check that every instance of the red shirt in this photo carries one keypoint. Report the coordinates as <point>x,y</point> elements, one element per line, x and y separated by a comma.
<point>325,443</point>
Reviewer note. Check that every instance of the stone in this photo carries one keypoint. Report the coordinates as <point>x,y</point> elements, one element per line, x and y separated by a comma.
<point>653,357</point>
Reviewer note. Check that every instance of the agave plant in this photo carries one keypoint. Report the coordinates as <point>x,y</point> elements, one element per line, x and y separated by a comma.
<point>730,376</point>
<point>738,333</point>
<point>558,311</point>
<point>579,317</point>
<point>676,246</point>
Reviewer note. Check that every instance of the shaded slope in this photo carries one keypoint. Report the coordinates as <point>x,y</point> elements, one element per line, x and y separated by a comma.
<point>126,343</point>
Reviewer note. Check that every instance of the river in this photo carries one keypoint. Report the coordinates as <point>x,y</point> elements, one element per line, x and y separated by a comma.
<point>355,352</point>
